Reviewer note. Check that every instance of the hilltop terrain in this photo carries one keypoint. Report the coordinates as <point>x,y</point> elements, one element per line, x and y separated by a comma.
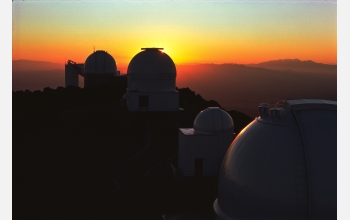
<point>79,154</point>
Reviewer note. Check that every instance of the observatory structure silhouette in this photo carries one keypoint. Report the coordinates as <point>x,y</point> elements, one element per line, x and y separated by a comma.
<point>283,165</point>
<point>152,82</point>
<point>99,68</point>
<point>203,147</point>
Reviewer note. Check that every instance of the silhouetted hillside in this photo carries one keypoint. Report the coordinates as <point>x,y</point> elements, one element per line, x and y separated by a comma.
<point>79,154</point>
<point>297,65</point>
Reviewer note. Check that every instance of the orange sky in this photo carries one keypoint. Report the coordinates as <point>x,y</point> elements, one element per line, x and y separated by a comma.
<point>190,32</point>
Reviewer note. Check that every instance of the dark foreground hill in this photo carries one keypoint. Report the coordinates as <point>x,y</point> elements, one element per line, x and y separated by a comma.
<point>79,154</point>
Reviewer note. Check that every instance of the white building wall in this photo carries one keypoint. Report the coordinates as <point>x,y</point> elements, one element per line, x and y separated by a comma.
<point>157,101</point>
<point>210,147</point>
<point>151,85</point>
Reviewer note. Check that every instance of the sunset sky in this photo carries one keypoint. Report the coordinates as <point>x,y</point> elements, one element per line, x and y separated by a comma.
<point>193,31</point>
<point>190,31</point>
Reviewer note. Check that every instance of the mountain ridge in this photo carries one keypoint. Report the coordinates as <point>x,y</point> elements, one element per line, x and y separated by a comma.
<point>35,65</point>
<point>25,64</point>
<point>235,86</point>
<point>296,65</point>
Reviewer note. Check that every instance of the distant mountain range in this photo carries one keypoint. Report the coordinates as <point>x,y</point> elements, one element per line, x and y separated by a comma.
<point>234,86</point>
<point>296,65</point>
<point>36,75</point>
<point>32,65</point>
<point>243,88</point>
<point>282,64</point>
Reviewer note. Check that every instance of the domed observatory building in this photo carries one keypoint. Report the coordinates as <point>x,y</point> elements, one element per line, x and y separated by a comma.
<point>152,82</point>
<point>203,147</point>
<point>99,68</point>
<point>283,165</point>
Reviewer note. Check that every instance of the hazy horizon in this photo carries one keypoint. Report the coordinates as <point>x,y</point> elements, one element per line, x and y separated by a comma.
<point>234,86</point>
<point>194,63</point>
<point>123,68</point>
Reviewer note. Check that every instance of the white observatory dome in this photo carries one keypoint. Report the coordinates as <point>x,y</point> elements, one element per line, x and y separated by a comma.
<point>283,165</point>
<point>100,62</point>
<point>152,63</point>
<point>213,120</point>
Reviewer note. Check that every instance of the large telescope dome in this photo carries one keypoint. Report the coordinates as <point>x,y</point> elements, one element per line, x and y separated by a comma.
<point>283,165</point>
<point>151,63</point>
<point>213,120</point>
<point>100,62</point>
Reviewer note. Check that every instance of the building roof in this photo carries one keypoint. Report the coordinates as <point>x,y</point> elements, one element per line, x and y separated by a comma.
<point>283,165</point>
<point>100,62</point>
<point>213,120</point>
<point>151,63</point>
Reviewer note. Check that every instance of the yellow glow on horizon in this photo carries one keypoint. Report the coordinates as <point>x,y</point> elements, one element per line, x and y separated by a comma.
<point>231,33</point>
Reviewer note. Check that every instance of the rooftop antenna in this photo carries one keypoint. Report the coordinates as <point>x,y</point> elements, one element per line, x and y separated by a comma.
<point>94,49</point>
<point>152,48</point>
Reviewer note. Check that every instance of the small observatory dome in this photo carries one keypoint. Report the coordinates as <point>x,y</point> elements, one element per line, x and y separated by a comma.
<point>283,165</point>
<point>152,63</point>
<point>213,120</point>
<point>100,62</point>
